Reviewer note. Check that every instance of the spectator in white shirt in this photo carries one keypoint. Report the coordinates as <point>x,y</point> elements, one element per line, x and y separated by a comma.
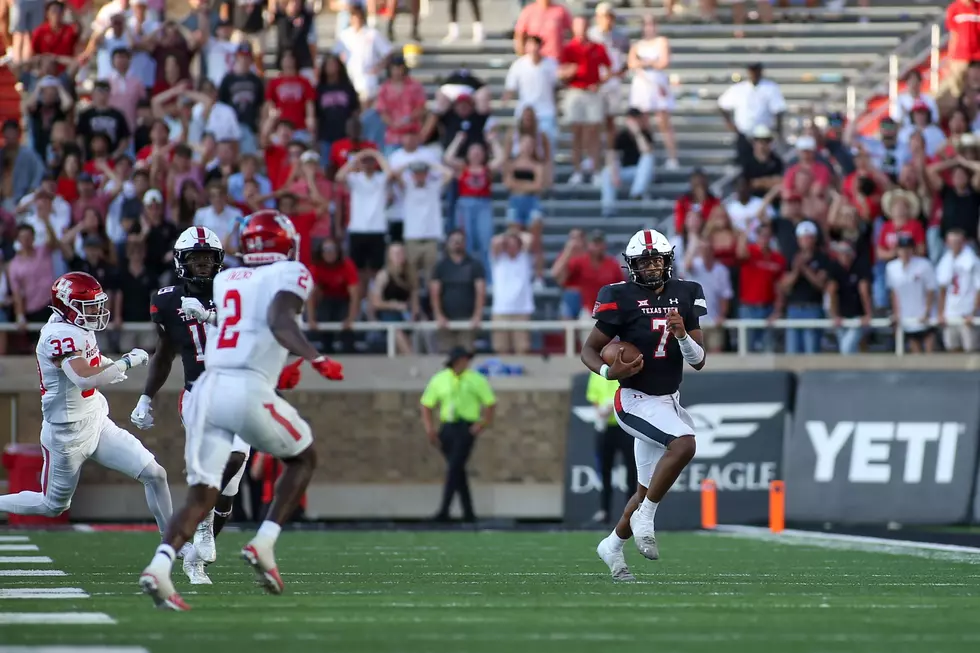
<point>513,293</point>
<point>213,117</point>
<point>365,52</point>
<point>750,103</point>
<point>219,216</point>
<point>142,26</point>
<point>744,208</point>
<point>902,111</point>
<point>920,120</point>
<point>219,53</point>
<point>716,282</point>
<point>532,79</point>
<point>366,176</point>
<point>114,36</point>
<point>958,278</point>
<point>420,184</point>
<point>912,283</point>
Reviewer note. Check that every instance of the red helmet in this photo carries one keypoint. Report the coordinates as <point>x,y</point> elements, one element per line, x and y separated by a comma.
<point>268,236</point>
<point>79,299</point>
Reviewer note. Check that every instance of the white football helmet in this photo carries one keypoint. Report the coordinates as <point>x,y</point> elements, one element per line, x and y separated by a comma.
<point>644,248</point>
<point>198,256</point>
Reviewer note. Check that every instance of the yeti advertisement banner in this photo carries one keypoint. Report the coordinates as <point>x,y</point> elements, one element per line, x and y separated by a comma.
<point>740,419</point>
<point>873,447</point>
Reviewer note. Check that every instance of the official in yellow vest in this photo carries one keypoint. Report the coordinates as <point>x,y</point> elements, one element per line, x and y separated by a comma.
<point>609,440</point>
<point>466,404</point>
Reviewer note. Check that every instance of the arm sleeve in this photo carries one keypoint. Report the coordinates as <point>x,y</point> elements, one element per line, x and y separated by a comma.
<point>108,374</point>
<point>699,308</point>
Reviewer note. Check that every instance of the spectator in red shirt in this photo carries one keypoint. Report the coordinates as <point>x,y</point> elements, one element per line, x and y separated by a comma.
<point>336,297</point>
<point>313,191</point>
<point>820,175</point>
<point>54,37</point>
<point>963,23</point>
<point>695,205</point>
<point>864,187</point>
<point>590,271</point>
<point>293,96</point>
<point>760,268</point>
<point>581,67</point>
<point>546,20</point>
<point>902,208</point>
<point>401,104</point>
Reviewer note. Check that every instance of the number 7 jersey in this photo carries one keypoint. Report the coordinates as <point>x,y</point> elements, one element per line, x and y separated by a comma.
<point>638,315</point>
<point>242,297</point>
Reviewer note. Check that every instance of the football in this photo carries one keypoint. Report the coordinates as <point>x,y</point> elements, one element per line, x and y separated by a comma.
<point>610,351</point>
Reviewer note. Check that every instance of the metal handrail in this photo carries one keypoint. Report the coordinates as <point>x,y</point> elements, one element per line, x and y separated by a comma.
<point>570,328</point>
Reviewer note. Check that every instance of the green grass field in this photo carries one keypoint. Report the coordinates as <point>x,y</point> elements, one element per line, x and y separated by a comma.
<point>504,592</point>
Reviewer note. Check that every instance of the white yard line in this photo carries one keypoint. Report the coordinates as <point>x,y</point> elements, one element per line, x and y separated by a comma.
<point>18,547</point>
<point>13,538</point>
<point>23,573</point>
<point>34,560</point>
<point>50,618</point>
<point>43,593</point>
<point>952,552</point>
<point>73,649</point>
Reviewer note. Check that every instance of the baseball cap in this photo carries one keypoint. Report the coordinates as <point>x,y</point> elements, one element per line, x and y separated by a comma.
<point>806,228</point>
<point>604,8</point>
<point>919,105</point>
<point>464,96</point>
<point>456,354</point>
<point>84,177</point>
<point>48,81</point>
<point>309,156</point>
<point>905,240</point>
<point>418,166</point>
<point>806,143</point>
<point>152,196</point>
<point>139,3</point>
<point>761,132</point>
<point>244,48</point>
<point>597,236</point>
<point>101,85</point>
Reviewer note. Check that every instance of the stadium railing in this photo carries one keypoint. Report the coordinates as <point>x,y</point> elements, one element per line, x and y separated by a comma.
<point>569,328</point>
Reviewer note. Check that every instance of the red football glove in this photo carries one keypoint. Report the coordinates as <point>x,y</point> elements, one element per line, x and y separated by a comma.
<point>328,368</point>
<point>289,378</point>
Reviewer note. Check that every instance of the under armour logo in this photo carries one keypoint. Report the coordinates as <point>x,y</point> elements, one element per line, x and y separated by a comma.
<point>641,303</point>
<point>674,300</point>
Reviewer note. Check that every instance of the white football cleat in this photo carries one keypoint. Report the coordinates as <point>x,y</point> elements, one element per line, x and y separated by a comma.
<point>262,560</point>
<point>204,539</point>
<point>643,533</point>
<point>194,568</point>
<point>155,583</point>
<point>615,560</point>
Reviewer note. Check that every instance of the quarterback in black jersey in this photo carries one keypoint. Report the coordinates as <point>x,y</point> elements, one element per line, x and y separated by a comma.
<point>177,313</point>
<point>659,315</point>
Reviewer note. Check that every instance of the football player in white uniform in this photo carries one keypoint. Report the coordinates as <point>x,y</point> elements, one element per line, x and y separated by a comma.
<point>257,328</point>
<point>76,424</point>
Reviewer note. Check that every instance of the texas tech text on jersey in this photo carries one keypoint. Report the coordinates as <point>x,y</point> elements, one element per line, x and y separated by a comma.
<point>638,315</point>
<point>188,335</point>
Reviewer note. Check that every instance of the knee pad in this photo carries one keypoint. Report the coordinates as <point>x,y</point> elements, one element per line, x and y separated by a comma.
<point>153,473</point>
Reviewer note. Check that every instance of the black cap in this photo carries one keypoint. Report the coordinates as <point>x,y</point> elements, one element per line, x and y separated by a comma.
<point>755,66</point>
<point>456,354</point>
<point>10,123</point>
<point>905,240</point>
<point>597,236</point>
<point>84,177</point>
<point>397,59</point>
<point>634,113</point>
<point>49,175</point>
<point>102,84</point>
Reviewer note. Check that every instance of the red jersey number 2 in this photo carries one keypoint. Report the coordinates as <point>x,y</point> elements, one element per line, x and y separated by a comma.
<point>228,336</point>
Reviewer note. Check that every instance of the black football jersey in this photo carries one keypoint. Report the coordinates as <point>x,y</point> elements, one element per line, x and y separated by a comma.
<point>638,315</point>
<point>187,335</point>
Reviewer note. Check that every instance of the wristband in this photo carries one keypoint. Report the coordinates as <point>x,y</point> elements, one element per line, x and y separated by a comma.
<point>604,371</point>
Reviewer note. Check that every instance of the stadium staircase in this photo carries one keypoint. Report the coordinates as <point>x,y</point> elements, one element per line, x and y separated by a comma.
<point>813,60</point>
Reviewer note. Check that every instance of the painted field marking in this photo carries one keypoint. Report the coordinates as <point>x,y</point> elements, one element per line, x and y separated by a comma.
<point>73,649</point>
<point>953,552</point>
<point>13,538</point>
<point>24,573</point>
<point>18,547</point>
<point>34,560</point>
<point>61,618</point>
<point>43,593</point>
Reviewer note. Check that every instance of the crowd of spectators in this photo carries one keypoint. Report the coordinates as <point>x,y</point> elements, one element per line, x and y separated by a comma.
<point>140,124</point>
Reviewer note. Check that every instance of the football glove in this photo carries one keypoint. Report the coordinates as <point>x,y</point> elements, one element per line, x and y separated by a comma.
<point>289,378</point>
<point>195,310</point>
<point>142,415</point>
<point>328,368</point>
<point>135,358</point>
